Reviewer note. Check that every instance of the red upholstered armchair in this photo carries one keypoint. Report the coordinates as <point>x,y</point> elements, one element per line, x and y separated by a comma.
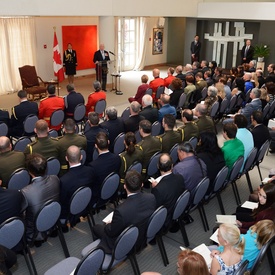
<point>30,82</point>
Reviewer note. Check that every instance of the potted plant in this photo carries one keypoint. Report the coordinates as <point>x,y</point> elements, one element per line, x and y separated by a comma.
<point>261,51</point>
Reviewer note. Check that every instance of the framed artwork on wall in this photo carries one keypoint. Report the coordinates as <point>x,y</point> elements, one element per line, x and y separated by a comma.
<point>157,40</point>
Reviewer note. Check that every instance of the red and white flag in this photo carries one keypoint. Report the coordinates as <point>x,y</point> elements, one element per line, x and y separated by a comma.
<point>57,63</point>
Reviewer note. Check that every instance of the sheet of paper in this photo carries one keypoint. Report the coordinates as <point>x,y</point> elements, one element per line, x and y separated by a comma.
<point>205,252</point>
<point>157,179</point>
<point>168,91</point>
<point>73,272</point>
<point>214,237</point>
<point>265,180</point>
<point>271,123</point>
<point>109,218</point>
<point>250,205</point>
<point>226,219</point>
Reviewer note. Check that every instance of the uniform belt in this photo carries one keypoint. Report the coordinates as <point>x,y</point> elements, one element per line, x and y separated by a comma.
<point>46,118</point>
<point>64,167</point>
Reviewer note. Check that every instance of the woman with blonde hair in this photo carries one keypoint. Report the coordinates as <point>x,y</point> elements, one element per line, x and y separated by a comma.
<point>264,97</point>
<point>221,93</point>
<point>231,258</point>
<point>191,263</point>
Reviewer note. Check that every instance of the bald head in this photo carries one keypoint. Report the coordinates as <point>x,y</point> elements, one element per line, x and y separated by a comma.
<point>73,155</point>
<point>165,163</point>
<point>102,47</point>
<point>156,73</point>
<point>5,144</point>
<point>165,98</point>
<point>41,128</point>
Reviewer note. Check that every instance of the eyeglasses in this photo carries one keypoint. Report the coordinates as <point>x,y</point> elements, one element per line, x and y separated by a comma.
<point>261,195</point>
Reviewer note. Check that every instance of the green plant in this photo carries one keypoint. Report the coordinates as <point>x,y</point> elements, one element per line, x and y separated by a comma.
<point>261,50</point>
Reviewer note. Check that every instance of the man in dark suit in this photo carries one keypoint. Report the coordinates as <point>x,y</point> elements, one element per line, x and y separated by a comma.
<point>20,112</point>
<point>113,124</point>
<point>247,52</point>
<point>136,211</point>
<point>131,124</point>
<point>77,176</point>
<point>259,131</point>
<point>169,188</point>
<point>72,99</point>
<point>70,62</point>
<point>195,49</point>
<point>101,57</point>
<point>148,112</point>
<point>105,164</point>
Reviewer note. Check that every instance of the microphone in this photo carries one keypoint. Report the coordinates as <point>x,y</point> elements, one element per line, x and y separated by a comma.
<point>111,53</point>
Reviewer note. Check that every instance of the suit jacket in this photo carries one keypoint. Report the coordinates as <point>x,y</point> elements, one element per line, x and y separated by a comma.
<point>76,177</point>
<point>105,164</point>
<point>36,194</point>
<point>143,205</point>
<point>114,128</point>
<point>132,123</point>
<point>260,135</point>
<point>19,113</point>
<point>98,57</point>
<point>249,108</point>
<point>150,113</point>
<point>10,203</point>
<point>167,192</point>
<point>195,49</point>
<point>167,109</point>
<point>249,54</point>
<point>72,99</point>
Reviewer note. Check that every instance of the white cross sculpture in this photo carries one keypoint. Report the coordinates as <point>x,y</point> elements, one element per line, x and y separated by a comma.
<point>218,39</point>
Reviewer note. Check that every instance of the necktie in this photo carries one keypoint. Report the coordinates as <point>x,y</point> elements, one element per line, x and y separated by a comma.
<point>245,52</point>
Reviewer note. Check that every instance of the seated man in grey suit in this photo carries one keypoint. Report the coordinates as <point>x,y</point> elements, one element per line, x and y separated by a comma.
<point>136,211</point>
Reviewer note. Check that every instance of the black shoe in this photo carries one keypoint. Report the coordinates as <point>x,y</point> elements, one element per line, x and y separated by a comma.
<point>175,227</point>
<point>187,219</point>
<point>53,234</point>
<point>38,243</point>
<point>153,242</point>
<point>271,151</point>
<point>65,228</point>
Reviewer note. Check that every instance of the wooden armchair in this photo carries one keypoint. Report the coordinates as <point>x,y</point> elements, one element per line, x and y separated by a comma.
<point>30,82</point>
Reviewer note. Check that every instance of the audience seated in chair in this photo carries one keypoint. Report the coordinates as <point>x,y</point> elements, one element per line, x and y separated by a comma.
<point>177,88</point>
<point>131,124</point>
<point>155,83</point>
<point>141,90</point>
<point>148,111</point>
<point>168,80</point>
<point>204,122</point>
<point>165,107</point>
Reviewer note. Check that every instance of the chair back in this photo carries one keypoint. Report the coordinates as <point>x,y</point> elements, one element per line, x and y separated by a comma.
<point>28,76</point>
<point>109,186</point>
<point>3,129</point>
<point>272,108</point>
<point>57,117</point>
<point>29,124</point>
<point>224,105</point>
<point>214,109</point>
<point>119,146</point>
<point>200,191</point>
<point>242,268</point>
<point>152,168</point>
<point>53,166</point>
<point>48,216</point>
<point>266,110</point>
<point>53,133</point>
<point>204,93</point>
<point>21,144</point>
<point>156,222</point>
<point>83,154</point>
<point>149,91</point>
<point>125,242</point>
<point>194,142</point>
<point>136,166</point>
<point>249,163</point>
<point>80,200</point>
<point>247,95</point>
<point>79,112</point>
<point>95,153</point>
<point>220,179</point>
<point>160,91</point>
<point>126,114</point>
<point>100,106</point>
<point>156,127</point>
<point>236,168</point>
<point>19,179</point>
<point>181,204</point>
<point>262,151</point>
<point>11,232</point>
<point>91,263</point>
<point>138,136</point>
<point>181,101</point>
<point>232,103</point>
<point>174,153</point>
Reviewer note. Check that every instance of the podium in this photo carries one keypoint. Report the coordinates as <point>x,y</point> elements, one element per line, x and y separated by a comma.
<point>116,83</point>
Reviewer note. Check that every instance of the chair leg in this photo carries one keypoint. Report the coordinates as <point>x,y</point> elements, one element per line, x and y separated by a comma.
<point>236,193</point>
<point>183,233</point>
<point>134,264</point>
<point>29,261</point>
<point>258,165</point>
<point>249,182</point>
<point>63,242</point>
<point>162,250</point>
<point>89,222</point>
<point>205,218</point>
<point>202,218</point>
<point>220,203</point>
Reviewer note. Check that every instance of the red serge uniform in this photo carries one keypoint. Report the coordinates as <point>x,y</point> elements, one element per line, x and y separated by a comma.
<point>48,105</point>
<point>168,80</point>
<point>154,84</point>
<point>93,99</point>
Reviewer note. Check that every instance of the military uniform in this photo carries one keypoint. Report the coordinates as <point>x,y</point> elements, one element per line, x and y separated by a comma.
<point>149,145</point>
<point>45,146</point>
<point>205,123</point>
<point>169,139</point>
<point>65,142</point>
<point>188,131</point>
<point>48,105</point>
<point>9,162</point>
<point>127,160</point>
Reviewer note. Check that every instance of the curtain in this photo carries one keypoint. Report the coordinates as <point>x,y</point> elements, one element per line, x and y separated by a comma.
<point>141,44</point>
<point>17,48</point>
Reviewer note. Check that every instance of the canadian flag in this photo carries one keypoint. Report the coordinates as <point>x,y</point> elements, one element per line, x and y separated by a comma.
<point>57,63</point>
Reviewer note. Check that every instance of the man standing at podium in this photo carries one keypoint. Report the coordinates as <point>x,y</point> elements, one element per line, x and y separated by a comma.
<point>101,57</point>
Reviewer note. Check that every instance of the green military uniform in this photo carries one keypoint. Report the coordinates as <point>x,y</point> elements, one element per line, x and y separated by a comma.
<point>150,145</point>
<point>64,142</point>
<point>188,131</point>
<point>127,160</point>
<point>169,139</point>
<point>201,84</point>
<point>9,162</point>
<point>205,123</point>
<point>45,146</point>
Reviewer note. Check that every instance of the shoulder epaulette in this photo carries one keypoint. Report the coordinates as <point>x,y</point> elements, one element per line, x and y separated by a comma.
<point>13,112</point>
<point>138,146</point>
<point>54,138</point>
<point>44,98</point>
